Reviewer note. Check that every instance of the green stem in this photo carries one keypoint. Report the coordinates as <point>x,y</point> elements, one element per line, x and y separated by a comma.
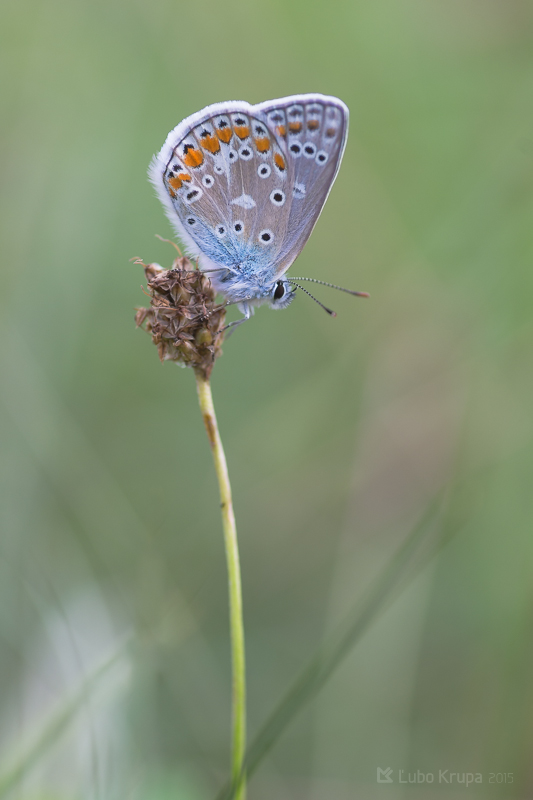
<point>235,594</point>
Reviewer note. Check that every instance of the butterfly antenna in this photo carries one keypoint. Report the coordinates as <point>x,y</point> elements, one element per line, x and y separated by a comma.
<point>333,286</point>
<point>329,311</point>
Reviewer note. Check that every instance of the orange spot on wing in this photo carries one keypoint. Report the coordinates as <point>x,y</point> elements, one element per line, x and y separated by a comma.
<point>171,192</point>
<point>281,130</point>
<point>313,124</point>
<point>224,134</point>
<point>279,161</point>
<point>242,131</point>
<point>330,133</point>
<point>295,127</point>
<point>262,144</point>
<point>184,177</point>
<point>210,143</point>
<point>193,158</point>
<point>175,182</point>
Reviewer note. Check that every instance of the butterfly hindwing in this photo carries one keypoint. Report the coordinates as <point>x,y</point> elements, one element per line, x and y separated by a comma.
<point>225,178</point>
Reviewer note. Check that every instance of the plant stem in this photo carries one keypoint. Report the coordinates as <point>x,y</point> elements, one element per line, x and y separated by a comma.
<point>235,593</point>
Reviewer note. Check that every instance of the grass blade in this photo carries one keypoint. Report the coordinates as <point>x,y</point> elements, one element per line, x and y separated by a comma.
<point>399,572</point>
<point>56,724</point>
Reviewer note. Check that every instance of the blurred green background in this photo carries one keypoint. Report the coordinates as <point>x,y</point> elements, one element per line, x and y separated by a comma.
<point>338,432</point>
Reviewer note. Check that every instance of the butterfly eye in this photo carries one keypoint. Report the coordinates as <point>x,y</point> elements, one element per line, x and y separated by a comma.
<point>279,291</point>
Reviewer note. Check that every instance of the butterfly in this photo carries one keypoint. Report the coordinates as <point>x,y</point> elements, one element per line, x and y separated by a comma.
<point>243,186</point>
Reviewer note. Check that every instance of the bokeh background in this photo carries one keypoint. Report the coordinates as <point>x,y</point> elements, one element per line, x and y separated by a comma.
<point>114,662</point>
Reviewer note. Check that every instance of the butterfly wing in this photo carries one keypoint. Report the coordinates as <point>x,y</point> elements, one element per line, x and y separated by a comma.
<point>244,185</point>
<point>312,131</point>
<point>222,177</point>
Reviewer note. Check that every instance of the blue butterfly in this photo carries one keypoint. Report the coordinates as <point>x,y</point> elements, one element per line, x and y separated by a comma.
<point>244,185</point>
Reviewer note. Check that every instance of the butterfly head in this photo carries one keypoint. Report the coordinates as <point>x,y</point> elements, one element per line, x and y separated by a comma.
<point>281,294</point>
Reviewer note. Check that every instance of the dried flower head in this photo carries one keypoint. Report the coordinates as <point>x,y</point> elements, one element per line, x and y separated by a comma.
<point>185,322</point>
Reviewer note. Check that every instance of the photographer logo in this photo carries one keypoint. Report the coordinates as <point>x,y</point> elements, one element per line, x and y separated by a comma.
<point>384,775</point>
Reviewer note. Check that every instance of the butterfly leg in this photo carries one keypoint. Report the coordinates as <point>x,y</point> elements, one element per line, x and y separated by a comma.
<point>247,311</point>
<point>231,326</point>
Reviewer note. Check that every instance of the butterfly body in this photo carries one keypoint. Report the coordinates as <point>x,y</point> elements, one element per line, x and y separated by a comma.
<point>244,185</point>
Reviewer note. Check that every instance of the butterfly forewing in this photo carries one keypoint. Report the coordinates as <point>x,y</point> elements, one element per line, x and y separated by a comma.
<point>314,133</point>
